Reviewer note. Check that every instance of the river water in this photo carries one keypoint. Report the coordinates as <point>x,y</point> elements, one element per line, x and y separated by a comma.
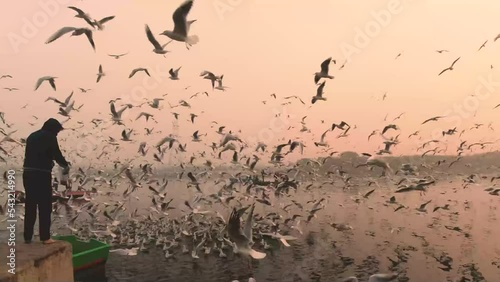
<point>414,241</point>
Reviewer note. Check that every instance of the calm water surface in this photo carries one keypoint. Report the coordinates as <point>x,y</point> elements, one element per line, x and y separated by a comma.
<point>468,233</point>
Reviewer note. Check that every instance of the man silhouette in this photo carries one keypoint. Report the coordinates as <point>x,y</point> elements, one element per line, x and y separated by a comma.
<point>42,149</point>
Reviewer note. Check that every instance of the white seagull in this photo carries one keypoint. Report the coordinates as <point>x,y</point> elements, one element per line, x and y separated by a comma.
<point>324,71</point>
<point>319,93</point>
<point>75,32</point>
<point>134,71</point>
<point>50,79</point>
<point>181,25</point>
<point>159,49</point>
<point>100,74</point>
<point>174,74</point>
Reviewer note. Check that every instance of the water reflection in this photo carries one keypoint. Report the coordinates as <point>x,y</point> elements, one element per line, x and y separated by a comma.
<point>446,245</point>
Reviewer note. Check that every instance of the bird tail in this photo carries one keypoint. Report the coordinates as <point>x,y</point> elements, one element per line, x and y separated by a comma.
<point>256,255</point>
<point>192,39</point>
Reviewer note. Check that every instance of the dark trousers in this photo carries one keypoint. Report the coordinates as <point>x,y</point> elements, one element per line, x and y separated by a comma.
<point>38,189</point>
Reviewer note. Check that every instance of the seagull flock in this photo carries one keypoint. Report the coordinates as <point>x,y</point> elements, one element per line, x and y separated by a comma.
<point>258,197</point>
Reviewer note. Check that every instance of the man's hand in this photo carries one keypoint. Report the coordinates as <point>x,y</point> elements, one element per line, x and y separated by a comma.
<point>65,170</point>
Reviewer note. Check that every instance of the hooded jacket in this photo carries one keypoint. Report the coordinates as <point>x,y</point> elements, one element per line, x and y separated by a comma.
<point>42,148</point>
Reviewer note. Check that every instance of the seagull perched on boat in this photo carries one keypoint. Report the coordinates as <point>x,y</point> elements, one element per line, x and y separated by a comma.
<point>449,68</point>
<point>319,93</point>
<point>181,25</point>
<point>159,49</point>
<point>174,74</point>
<point>134,71</point>
<point>100,74</point>
<point>50,79</point>
<point>75,32</point>
<point>324,71</point>
<point>242,239</point>
<point>212,77</point>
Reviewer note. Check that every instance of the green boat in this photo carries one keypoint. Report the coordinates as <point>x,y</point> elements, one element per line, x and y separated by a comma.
<point>86,254</point>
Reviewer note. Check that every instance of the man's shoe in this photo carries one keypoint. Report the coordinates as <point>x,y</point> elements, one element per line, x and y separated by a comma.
<point>27,241</point>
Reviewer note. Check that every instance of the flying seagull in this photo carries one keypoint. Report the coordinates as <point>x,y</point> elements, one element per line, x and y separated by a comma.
<point>242,238</point>
<point>100,23</point>
<point>482,46</point>
<point>433,119</point>
<point>324,71</point>
<point>319,93</point>
<point>50,79</point>
<point>212,77</point>
<point>441,51</point>
<point>181,25</point>
<point>174,74</point>
<point>100,74</point>
<point>117,56</point>
<point>75,32</point>
<point>82,15</point>
<point>449,68</point>
<point>134,71</point>
<point>159,49</point>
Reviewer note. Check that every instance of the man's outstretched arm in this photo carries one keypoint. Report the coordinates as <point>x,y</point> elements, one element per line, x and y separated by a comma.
<point>57,155</point>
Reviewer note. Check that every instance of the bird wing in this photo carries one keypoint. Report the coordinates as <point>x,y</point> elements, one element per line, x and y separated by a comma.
<point>80,12</point>
<point>113,110</point>
<point>106,19</point>
<point>133,73</point>
<point>152,39</point>
<point>66,102</point>
<point>88,33</point>
<point>124,134</point>
<point>233,225</point>
<point>52,83</point>
<point>319,93</point>
<point>452,64</point>
<point>444,71</point>
<point>171,72</point>
<point>39,82</point>
<point>325,64</point>
<point>247,229</point>
<point>60,33</point>
<point>179,18</point>
<point>323,136</point>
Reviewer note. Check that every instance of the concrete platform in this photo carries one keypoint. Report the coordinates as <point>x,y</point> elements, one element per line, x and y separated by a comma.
<point>36,262</point>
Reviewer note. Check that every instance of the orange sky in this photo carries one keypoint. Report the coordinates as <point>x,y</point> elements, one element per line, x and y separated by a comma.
<point>263,47</point>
